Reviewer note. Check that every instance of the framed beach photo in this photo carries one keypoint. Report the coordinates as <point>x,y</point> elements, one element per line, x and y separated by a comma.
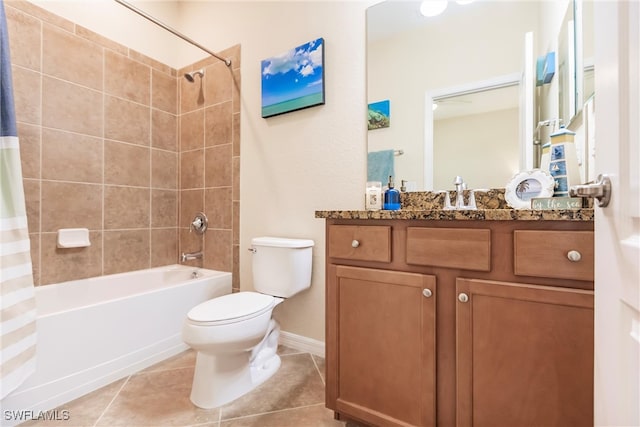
<point>294,79</point>
<point>527,185</point>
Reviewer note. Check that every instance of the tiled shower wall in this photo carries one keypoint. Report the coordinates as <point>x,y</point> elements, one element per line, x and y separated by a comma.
<point>105,146</point>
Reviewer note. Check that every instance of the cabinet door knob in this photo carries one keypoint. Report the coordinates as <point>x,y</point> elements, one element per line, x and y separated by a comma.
<point>427,292</point>
<point>463,297</point>
<point>355,244</point>
<point>574,256</point>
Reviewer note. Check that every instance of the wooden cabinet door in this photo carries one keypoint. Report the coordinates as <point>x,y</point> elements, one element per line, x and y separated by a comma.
<point>381,346</point>
<point>524,355</point>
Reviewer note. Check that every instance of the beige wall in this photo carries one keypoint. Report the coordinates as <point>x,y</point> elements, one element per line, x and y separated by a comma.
<point>293,164</point>
<point>299,162</point>
<point>460,142</point>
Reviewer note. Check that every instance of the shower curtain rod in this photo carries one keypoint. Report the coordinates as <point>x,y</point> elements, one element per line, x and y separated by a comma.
<point>172,31</point>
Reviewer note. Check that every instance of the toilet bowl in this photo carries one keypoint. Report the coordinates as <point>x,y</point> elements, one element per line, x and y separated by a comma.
<point>235,338</point>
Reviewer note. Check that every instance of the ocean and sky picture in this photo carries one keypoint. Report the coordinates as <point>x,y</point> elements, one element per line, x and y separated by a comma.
<point>293,80</point>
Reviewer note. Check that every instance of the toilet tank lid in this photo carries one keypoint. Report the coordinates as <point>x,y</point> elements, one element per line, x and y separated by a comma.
<point>282,242</point>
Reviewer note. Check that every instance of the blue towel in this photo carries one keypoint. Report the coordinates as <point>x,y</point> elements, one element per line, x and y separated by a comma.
<point>380,166</point>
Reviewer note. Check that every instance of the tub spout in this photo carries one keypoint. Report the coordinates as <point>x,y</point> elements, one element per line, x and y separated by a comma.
<point>190,256</point>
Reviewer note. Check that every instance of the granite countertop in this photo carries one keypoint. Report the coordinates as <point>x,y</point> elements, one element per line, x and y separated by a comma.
<point>585,214</point>
<point>491,207</point>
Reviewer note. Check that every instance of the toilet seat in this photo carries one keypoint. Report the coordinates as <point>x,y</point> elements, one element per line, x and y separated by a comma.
<point>231,308</point>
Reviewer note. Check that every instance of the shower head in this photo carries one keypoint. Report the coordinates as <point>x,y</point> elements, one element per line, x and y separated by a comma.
<point>191,77</point>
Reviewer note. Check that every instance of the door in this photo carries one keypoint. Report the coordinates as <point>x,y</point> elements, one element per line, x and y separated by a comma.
<point>384,370</point>
<point>617,227</point>
<point>523,355</point>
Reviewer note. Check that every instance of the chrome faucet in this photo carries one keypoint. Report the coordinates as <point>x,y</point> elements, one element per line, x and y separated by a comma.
<point>460,187</point>
<point>190,256</point>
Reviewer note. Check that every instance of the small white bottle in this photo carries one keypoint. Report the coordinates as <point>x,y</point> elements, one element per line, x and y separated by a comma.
<point>373,196</point>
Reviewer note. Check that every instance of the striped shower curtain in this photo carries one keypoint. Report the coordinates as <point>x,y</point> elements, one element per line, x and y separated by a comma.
<point>17,303</point>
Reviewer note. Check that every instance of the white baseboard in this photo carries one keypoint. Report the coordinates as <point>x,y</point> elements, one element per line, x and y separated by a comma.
<point>301,343</point>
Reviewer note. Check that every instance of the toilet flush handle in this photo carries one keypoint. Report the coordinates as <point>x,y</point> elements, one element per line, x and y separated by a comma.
<point>253,250</point>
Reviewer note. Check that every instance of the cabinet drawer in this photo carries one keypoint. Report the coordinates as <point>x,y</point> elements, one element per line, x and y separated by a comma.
<point>362,243</point>
<point>547,254</point>
<point>463,248</point>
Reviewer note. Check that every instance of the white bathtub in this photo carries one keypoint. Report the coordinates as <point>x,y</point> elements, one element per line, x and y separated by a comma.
<point>94,331</point>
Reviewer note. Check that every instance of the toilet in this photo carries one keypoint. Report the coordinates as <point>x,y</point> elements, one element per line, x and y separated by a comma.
<point>235,338</point>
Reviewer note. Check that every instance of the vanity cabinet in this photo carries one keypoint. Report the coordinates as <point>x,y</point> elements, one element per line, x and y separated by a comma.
<point>467,323</point>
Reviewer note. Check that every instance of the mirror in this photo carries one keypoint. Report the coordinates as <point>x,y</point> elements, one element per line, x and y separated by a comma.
<point>567,60</point>
<point>410,56</point>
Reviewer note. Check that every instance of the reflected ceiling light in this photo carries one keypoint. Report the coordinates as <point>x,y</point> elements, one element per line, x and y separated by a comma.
<point>434,106</point>
<point>433,7</point>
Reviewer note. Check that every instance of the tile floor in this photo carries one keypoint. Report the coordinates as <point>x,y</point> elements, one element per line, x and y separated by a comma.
<point>159,396</point>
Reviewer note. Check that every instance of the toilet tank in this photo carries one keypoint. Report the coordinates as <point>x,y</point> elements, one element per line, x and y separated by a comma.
<point>281,267</point>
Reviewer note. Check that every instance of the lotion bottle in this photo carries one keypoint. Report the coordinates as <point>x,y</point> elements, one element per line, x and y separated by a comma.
<point>391,197</point>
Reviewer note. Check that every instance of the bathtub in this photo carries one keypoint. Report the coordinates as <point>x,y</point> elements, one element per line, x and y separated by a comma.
<point>94,331</point>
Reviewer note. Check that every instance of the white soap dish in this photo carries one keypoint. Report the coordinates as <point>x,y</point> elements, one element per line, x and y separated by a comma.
<point>73,238</point>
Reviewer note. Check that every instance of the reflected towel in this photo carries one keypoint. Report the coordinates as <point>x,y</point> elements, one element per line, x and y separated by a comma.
<point>380,165</point>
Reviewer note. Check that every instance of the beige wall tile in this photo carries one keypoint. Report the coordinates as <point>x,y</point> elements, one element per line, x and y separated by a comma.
<point>26,95</point>
<point>189,243</point>
<point>218,84</point>
<point>236,177</point>
<point>126,250</point>
<point>69,57</point>
<point>236,222</point>
<point>32,202</point>
<point>127,121</point>
<point>218,207</point>
<point>235,96</point>
<point>42,14</point>
<point>34,241</point>
<point>191,202</point>
<point>192,169</point>
<point>235,278</point>
<point>164,169</point>
<point>100,40</point>
<point>164,208</point>
<point>71,205</point>
<point>218,250</point>
<point>218,124</point>
<point>164,92</point>
<point>77,115</point>
<point>60,265</point>
<point>70,156</point>
<point>218,166</point>
<point>29,137</point>
<point>71,107</point>
<point>236,134</point>
<point>164,246</point>
<point>191,94</point>
<point>164,130</point>
<point>24,36</point>
<point>126,164</point>
<point>126,78</point>
<point>192,130</point>
<point>126,207</point>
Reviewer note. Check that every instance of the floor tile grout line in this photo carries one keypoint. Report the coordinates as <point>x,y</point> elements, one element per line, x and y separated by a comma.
<point>262,413</point>
<point>318,369</point>
<point>115,396</point>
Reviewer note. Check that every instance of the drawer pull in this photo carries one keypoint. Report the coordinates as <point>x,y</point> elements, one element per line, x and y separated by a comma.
<point>574,256</point>
<point>427,292</point>
<point>355,244</point>
<point>463,297</point>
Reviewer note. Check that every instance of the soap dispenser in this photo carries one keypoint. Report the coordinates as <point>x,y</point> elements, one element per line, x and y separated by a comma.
<point>391,197</point>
